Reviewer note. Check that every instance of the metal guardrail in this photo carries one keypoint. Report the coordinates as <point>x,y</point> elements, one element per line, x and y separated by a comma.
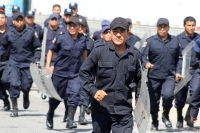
<point>138,30</point>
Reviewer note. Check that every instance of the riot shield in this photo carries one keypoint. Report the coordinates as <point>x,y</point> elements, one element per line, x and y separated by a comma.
<point>139,44</point>
<point>185,75</point>
<point>142,110</point>
<point>38,79</point>
<point>48,82</point>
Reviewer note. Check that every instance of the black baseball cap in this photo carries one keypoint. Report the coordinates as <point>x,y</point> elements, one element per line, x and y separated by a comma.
<point>30,14</point>
<point>17,14</point>
<point>73,5</point>
<point>15,9</point>
<point>74,20</point>
<point>119,22</point>
<point>129,20</point>
<point>68,12</point>
<point>163,21</point>
<point>82,22</point>
<point>2,6</point>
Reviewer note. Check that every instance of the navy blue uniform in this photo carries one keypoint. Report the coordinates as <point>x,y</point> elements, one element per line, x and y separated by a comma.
<point>24,49</point>
<point>195,97</point>
<point>51,35</point>
<point>114,74</point>
<point>164,55</point>
<point>66,67</point>
<point>89,44</point>
<point>60,22</point>
<point>132,39</point>
<point>9,22</point>
<point>38,30</point>
<point>98,42</point>
<point>3,60</point>
<point>181,96</point>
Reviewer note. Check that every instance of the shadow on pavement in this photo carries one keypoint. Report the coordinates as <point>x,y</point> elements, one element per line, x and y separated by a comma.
<point>188,129</point>
<point>72,130</point>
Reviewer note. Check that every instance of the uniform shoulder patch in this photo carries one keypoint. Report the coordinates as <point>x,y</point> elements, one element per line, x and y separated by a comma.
<point>144,44</point>
<point>54,40</point>
<point>36,35</point>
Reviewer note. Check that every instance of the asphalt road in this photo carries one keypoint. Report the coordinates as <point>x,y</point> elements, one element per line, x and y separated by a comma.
<point>33,120</point>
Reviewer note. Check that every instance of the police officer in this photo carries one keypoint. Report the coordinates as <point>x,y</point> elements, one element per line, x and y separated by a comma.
<point>194,99</point>
<point>10,19</point>
<point>70,47</point>
<point>97,34</point>
<point>84,98</point>
<point>56,10</point>
<point>3,59</point>
<point>132,39</point>
<point>105,36</point>
<point>116,65</point>
<point>185,38</point>
<point>74,8</point>
<point>162,50</point>
<point>66,17</point>
<point>24,49</point>
<point>29,19</point>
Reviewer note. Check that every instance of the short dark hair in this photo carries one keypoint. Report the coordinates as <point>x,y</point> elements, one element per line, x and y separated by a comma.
<point>3,13</point>
<point>189,18</point>
<point>56,5</point>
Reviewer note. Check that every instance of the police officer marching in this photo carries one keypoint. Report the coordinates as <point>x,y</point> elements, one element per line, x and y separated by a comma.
<point>9,19</point>
<point>117,66</point>
<point>185,38</point>
<point>24,49</point>
<point>29,19</point>
<point>70,47</point>
<point>162,50</point>
<point>3,59</point>
<point>67,15</point>
<point>74,8</point>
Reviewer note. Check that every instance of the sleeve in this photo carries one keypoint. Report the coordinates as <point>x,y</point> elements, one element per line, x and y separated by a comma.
<point>178,58</point>
<point>37,47</point>
<point>138,68</point>
<point>195,103</point>
<point>4,46</point>
<point>145,52</point>
<point>46,23</point>
<point>85,73</point>
<point>87,28</point>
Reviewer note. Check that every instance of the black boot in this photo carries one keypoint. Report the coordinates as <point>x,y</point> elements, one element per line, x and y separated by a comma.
<point>154,124</point>
<point>26,102</point>
<point>165,118</point>
<point>14,107</point>
<point>179,123</point>
<point>82,120</point>
<point>70,120</point>
<point>187,118</point>
<point>49,121</point>
<point>88,110</point>
<point>6,106</point>
<point>65,116</point>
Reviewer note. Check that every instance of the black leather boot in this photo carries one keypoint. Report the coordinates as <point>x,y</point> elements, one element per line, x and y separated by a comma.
<point>88,110</point>
<point>26,102</point>
<point>165,118</point>
<point>6,106</point>
<point>70,118</point>
<point>179,123</point>
<point>49,121</point>
<point>66,112</point>
<point>14,107</point>
<point>82,120</point>
<point>187,117</point>
<point>154,124</point>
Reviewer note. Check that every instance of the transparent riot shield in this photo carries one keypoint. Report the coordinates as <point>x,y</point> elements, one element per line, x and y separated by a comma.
<point>185,75</point>
<point>139,44</point>
<point>41,76</point>
<point>142,110</point>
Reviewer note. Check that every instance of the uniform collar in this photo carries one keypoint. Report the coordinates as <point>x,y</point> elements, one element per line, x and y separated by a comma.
<point>128,48</point>
<point>158,38</point>
<point>188,38</point>
<point>22,32</point>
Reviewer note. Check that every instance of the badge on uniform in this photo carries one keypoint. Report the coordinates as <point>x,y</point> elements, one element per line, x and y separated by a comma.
<point>54,40</point>
<point>36,35</point>
<point>144,44</point>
